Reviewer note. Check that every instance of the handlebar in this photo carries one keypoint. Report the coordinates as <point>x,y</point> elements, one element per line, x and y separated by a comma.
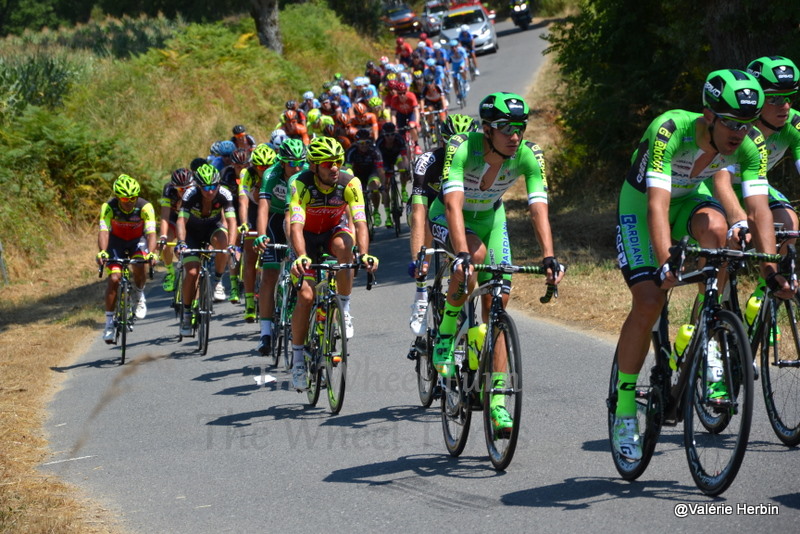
<point>125,261</point>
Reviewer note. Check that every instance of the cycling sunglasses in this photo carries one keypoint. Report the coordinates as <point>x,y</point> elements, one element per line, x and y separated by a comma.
<point>209,187</point>
<point>780,100</point>
<point>509,128</point>
<point>329,164</point>
<point>295,164</point>
<point>734,125</point>
<point>127,199</point>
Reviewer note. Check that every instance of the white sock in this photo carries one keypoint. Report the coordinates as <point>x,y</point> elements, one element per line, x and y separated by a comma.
<point>266,327</point>
<point>345,303</point>
<point>297,355</point>
<point>109,318</point>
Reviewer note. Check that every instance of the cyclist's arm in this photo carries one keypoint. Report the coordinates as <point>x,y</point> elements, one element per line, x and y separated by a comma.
<point>149,217</point>
<point>297,218</point>
<point>355,202</point>
<point>164,224</point>
<point>723,191</point>
<point>658,222</point>
<point>105,227</point>
<point>263,216</point>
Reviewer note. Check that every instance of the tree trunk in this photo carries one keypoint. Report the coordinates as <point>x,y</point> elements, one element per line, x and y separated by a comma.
<point>265,14</point>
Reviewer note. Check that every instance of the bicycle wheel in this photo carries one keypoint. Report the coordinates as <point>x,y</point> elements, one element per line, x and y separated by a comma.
<point>204,313</point>
<point>177,298</point>
<point>123,318</point>
<point>312,359</point>
<point>335,355</point>
<point>780,369</point>
<point>507,384</point>
<point>368,214</point>
<point>649,412</point>
<point>396,207</point>
<point>426,373</point>
<point>456,409</point>
<point>715,456</point>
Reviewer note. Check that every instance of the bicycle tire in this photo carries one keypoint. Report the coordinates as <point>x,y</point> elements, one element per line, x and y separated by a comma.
<point>501,447</point>
<point>456,408</point>
<point>335,355</point>
<point>204,313</point>
<point>713,469</point>
<point>649,412</point>
<point>177,293</point>
<point>370,221</point>
<point>427,377</point>
<point>123,318</point>
<point>279,317</point>
<point>396,208</point>
<point>312,359</point>
<point>780,374</point>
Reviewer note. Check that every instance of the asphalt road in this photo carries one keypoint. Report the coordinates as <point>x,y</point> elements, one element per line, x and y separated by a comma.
<point>189,443</point>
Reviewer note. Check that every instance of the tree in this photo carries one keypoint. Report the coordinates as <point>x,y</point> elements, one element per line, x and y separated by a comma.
<point>265,15</point>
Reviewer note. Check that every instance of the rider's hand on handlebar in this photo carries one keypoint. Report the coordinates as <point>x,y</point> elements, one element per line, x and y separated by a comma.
<point>370,262</point>
<point>299,266</point>
<point>244,228</point>
<point>151,257</point>
<point>261,242</point>
<point>102,257</point>
<point>780,286</point>
<point>180,247</point>
<point>554,271</point>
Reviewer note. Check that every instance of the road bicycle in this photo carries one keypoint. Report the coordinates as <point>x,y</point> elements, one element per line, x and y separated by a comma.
<point>326,343</point>
<point>203,303</point>
<point>716,411</point>
<point>285,299</point>
<point>123,312</point>
<point>395,200</point>
<point>486,368</point>
<point>429,130</point>
<point>461,87</point>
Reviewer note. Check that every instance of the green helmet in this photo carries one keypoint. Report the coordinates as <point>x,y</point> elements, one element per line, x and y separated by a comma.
<point>456,124</point>
<point>127,187</point>
<point>263,155</point>
<point>776,74</point>
<point>374,102</point>
<point>206,175</point>
<point>325,149</point>
<point>733,93</point>
<point>292,150</point>
<point>313,115</point>
<point>508,107</point>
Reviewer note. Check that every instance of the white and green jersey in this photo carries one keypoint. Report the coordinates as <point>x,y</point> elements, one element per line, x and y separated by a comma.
<point>464,167</point>
<point>777,144</point>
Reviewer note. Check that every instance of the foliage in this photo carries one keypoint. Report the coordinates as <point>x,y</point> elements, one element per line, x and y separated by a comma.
<point>364,15</point>
<point>625,61</point>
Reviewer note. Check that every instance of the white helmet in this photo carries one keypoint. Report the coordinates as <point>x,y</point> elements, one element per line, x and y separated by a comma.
<point>336,90</point>
<point>437,45</point>
<point>464,28</point>
<point>277,138</point>
<point>308,95</point>
<point>421,44</point>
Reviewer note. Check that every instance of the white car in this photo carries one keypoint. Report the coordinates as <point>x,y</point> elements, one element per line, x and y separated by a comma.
<point>432,16</point>
<point>480,22</point>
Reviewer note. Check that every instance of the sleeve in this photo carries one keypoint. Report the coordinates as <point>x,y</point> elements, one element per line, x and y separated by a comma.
<point>164,201</point>
<point>661,145</point>
<point>752,159</point>
<point>105,217</point>
<point>149,218</point>
<point>533,168</point>
<point>354,199</point>
<point>297,204</point>
<point>455,159</point>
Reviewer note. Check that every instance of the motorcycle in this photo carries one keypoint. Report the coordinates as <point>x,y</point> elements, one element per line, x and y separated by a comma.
<point>521,14</point>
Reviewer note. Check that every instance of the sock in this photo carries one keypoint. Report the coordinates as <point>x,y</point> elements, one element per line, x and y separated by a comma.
<point>448,326</point>
<point>218,278</point>
<point>421,295</point>
<point>109,318</point>
<point>249,300</point>
<point>297,355</point>
<point>498,380</point>
<point>266,327</point>
<point>345,303</point>
<point>626,394</point>
<point>170,268</point>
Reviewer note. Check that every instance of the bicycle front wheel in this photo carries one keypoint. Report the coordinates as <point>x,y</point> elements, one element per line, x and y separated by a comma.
<point>780,368</point>
<point>456,409</point>
<point>124,317</point>
<point>396,207</point>
<point>426,373</point>
<point>204,314</point>
<point>501,370</point>
<point>313,361</point>
<point>335,355</point>
<point>368,214</point>
<point>715,455</point>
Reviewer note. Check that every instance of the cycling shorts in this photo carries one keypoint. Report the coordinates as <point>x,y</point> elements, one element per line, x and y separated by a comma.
<point>271,258</point>
<point>404,118</point>
<point>200,235</point>
<point>121,248</point>
<point>319,244</point>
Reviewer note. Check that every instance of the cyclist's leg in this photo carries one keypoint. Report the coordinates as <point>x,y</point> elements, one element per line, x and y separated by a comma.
<point>302,310</point>
<point>269,278</point>
<point>249,275</point>
<point>341,246</point>
<point>166,254</point>
<point>219,241</point>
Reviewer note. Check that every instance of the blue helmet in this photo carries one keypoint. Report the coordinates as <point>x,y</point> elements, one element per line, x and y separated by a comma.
<point>430,62</point>
<point>453,43</point>
<point>226,148</point>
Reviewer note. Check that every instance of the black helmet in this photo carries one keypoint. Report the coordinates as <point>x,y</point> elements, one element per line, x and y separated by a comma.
<point>238,129</point>
<point>363,135</point>
<point>388,128</point>
<point>182,177</point>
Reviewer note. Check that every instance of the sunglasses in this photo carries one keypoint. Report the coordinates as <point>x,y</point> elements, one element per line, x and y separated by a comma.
<point>295,164</point>
<point>329,164</point>
<point>780,100</point>
<point>509,128</point>
<point>209,187</point>
<point>127,199</point>
<point>733,125</point>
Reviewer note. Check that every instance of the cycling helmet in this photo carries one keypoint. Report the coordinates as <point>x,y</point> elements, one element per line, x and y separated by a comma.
<point>195,164</point>
<point>125,186</point>
<point>417,74</point>
<point>240,156</point>
<point>308,95</point>
<point>290,115</point>
<point>338,76</point>
<point>453,43</point>
<point>457,124</point>
<point>391,76</point>
<point>292,150</point>
<point>313,115</point>
<point>429,77</point>
<point>291,104</point>
<point>423,36</point>
<point>214,150</point>
<point>206,175</point>
<point>182,177</point>
<point>329,130</point>
<point>325,149</point>
<point>263,155</point>
<point>776,74</point>
<point>437,45</point>
<point>226,148</point>
<point>430,62</point>
<point>374,102</point>
<point>503,106</point>
<point>399,40</point>
<point>464,28</point>
<point>401,87</point>
<point>384,60</point>
<point>277,138</point>
<point>399,67</point>
<point>326,86</point>
<point>421,44</point>
<point>336,90</point>
<point>359,108</point>
<point>388,128</point>
<point>363,135</point>
<point>238,129</point>
<point>733,93</point>
<point>370,65</point>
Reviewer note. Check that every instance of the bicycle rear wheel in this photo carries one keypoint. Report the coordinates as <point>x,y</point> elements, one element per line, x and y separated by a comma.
<point>715,456</point>
<point>649,413</point>
<point>427,377</point>
<point>507,383</point>
<point>456,409</point>
<point>204,313</point>
<point>780,369</point>
<point>335,344</point>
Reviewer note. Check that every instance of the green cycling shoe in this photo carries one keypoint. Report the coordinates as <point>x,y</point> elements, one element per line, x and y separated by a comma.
<point>443,356</point>
<point>501,422</point>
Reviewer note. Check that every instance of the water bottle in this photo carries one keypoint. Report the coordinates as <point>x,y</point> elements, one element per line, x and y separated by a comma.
<point>475,337</point>
<point>751,311</point>
<point>681,341</point>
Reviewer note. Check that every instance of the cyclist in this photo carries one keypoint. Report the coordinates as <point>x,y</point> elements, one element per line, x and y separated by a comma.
<point>276,138</point>
<point>405,110</point>
<point>374,73</point>
<point>434,97</point>
<point>320,198</point>
<point>375,105</point>
<point>339,100</point>
<point>206,217</point>
<point>664,198</point>
<point>273,201</point>
<point>468,43</point>
<point>427,184</point>
<point>309,102</point>
<point>458,57</point>
<point>403,51</point>
<point>242,139</point>
<point>363,119</point>
<point>292,122</point>
<point>252,178</point>
<point>469,217</point>
<point>395,156</point>
<point>778,77</point>
<point>230,178</point>
<point>366,163</point>
<point>127,230</point>
<point>317,122</point>
<point>180,181</point>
